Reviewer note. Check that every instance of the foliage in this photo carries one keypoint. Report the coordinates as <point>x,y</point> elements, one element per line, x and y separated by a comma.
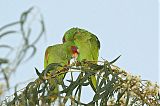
<point>16,52</point>
<point>115,87</point>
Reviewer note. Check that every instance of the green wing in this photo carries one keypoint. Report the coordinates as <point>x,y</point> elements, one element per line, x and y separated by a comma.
<point>95,46</point>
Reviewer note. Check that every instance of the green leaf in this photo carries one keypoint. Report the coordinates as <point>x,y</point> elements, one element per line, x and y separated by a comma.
<point>3,61</point>
<point>113,61</point>
<point>7,33</point>
<point>37,72</point>
<point>9,25</point>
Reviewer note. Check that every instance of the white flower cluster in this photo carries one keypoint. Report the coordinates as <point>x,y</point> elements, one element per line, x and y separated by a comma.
<point>137,89</point>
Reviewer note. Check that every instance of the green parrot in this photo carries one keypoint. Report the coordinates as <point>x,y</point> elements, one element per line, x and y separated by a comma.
<point>59,53</point>
<point>87,44</point>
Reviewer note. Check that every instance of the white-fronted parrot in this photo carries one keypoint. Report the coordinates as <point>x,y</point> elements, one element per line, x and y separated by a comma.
<point>59,53</point>
<point>87,43</point>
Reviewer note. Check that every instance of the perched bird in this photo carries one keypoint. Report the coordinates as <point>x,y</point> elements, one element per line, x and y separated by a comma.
<point>62,54</point>
<point>87,44</point>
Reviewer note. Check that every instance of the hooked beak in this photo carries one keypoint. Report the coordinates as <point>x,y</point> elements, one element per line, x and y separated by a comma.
<point>75,55</point>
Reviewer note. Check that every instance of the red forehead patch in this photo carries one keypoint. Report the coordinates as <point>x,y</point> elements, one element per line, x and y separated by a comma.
<point>74,49</point>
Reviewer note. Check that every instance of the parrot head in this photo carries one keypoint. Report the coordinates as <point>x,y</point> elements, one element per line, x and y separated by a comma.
<point>69,35</point>
<point>72,33</point>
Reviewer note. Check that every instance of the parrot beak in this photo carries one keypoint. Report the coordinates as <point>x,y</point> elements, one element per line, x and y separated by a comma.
<point>75,55</point>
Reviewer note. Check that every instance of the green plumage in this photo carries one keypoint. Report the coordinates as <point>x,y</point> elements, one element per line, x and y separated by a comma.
<point>57,54</point>
<point>87,43</point>
<point>60,53</point>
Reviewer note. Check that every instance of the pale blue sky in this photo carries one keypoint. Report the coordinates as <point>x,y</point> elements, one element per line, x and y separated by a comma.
<point>126,27</point>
